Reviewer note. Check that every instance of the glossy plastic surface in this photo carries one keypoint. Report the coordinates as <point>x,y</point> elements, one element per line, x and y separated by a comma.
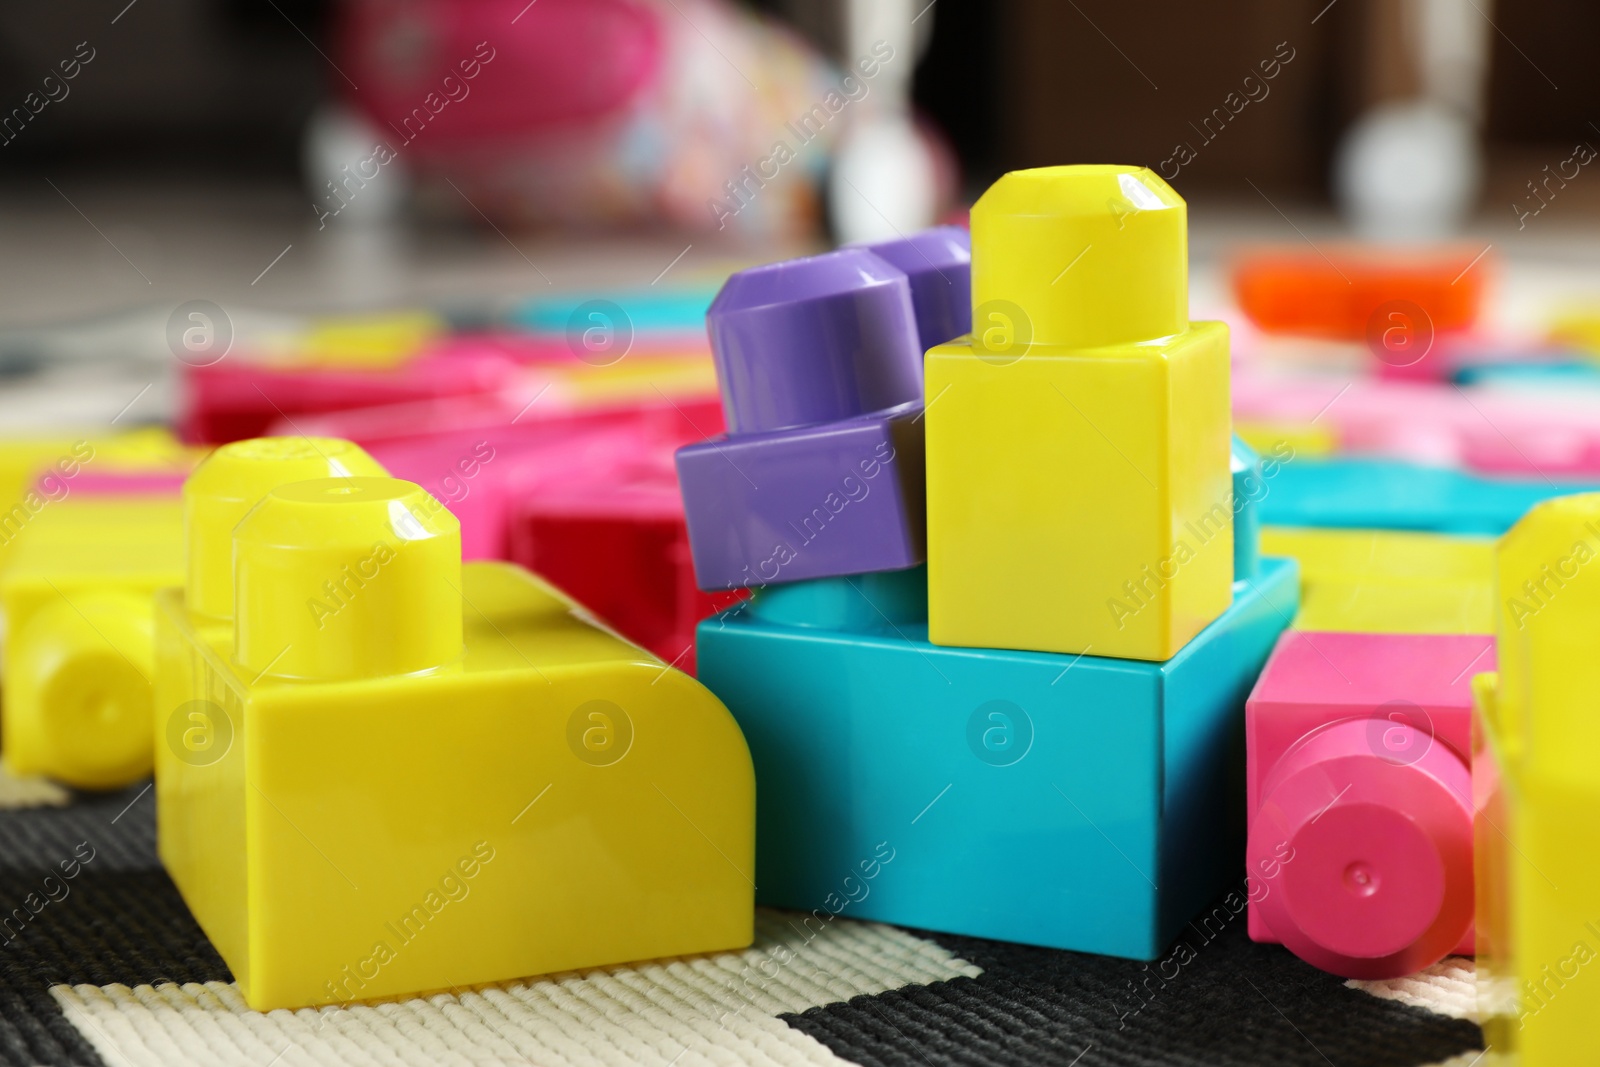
<point>1535,735</point>
<point>1389,581</point>
<point>79,655</point>
<point>1340,293</point>
<point>1397,495</point>
<point>1360,799</point>
<point>821,471</point>
<point>985,774</point>
<point>1079,493</point>
<point>809,341</point>
<point>231,481</point>
<point>845,497</point>
<point>938,264</point>
<point>320,825</point>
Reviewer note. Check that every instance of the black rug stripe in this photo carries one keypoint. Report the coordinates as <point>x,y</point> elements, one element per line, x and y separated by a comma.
<point>119,921</point>
<point>1232,1002</point>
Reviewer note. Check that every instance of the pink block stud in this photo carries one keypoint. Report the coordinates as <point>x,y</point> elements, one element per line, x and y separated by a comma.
<point>1360,799</point>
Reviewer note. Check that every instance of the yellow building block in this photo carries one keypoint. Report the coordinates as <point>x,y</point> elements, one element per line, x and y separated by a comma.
<point>79,645</point>
<point>1079,495</point>
<point>1537,792</point>
<point>1304,439</point>
<point>1389,581</point>
<point>393,773</point>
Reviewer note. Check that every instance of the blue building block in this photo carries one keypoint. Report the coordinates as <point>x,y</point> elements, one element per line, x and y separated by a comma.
<point>1389,494</point>
<point>1578,372</point>
<point>670,310</point>
<point>1249,485</point>
<point>1075,802</point>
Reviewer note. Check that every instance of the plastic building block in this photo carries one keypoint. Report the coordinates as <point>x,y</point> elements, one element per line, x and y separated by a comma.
<point>1396,495</point>
<point>1249,484</point>
<point>1345,292</point>
<point>384,741</point>
<point>1043,840</point>
<point>1078,440</point>
<point>820,473</point>
<point>1026,796</point>
<point>938,264</point>
<point>619,545</point>
<point>1537,792</point>
<point>1510,431</point>
<point>664,312</point>
<point>1389,581</point>
<point>79,646</point>
<point>1360,799</point>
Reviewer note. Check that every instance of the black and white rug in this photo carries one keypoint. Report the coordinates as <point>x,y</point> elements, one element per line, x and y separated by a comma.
<point>108,967</point>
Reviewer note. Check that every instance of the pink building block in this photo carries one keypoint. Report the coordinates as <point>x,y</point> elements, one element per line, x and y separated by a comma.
<point>1360,799</point>
<point>1487,430</point>
<point>587,499</point>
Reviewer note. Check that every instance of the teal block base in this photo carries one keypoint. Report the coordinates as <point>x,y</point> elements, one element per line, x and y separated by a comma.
<point>1074,802</point>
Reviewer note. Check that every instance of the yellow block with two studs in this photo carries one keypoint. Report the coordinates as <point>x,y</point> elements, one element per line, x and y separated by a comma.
<point>1079,494</point>
<point>386,772</point>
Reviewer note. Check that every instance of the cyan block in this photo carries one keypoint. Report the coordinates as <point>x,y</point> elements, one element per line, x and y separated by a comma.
<point>1075,802</point>
<point>1249,484</point>
<point>1386,494</point>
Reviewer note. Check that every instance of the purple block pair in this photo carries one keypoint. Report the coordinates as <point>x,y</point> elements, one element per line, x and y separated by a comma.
<point>820,364</point>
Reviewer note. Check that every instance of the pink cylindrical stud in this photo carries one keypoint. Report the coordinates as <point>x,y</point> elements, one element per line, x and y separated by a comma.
<point>1378,879</point>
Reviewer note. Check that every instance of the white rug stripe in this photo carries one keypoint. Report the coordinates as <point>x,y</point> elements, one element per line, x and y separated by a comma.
<point>28,792</point>
<point>1448,988</point>
<point>697,1012</point>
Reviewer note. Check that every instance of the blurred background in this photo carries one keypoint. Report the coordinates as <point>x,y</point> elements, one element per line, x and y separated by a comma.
<point>284,158</point>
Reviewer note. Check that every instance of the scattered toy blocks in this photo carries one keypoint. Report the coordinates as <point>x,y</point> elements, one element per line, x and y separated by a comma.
<point>1360,799</point>
<point>332,818</point>
<point>820,473</point>
<point>1534,780</point>
<point>1078,440</point>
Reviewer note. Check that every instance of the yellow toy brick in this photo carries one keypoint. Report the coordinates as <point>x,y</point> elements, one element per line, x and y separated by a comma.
<point>1389,581</point>
<point>1537,792</point>
<point>1079,494</point>
<point>393,773</point>
<point>79,645</point>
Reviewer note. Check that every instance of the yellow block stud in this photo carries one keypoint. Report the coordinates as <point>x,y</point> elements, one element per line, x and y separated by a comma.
<point>79,647</point>
<point>231,481</point>
<point>1079,495</point>
<point>1537,791</point>
<point>394,773</point>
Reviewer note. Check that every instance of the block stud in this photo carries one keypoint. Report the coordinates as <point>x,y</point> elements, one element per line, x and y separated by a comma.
<point>342,578</point>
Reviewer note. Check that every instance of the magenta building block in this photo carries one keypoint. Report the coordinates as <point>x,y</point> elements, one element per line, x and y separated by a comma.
<point>1358,751</point>
<point>938,264</point>
<point>821,471</point>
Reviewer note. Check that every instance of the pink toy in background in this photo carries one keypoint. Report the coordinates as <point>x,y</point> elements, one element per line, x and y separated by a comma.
<point>1360,799</point>
<point>589,112</point>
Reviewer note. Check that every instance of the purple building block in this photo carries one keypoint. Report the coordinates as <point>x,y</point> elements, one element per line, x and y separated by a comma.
<point>821,472</point>
<point>938,263</point>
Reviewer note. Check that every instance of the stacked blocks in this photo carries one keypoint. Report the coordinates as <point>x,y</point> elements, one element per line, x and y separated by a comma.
<point>1360,799</point>
<point>1078,440</point>
<point>1024,790</point>
<point>820,473</point>
<point>372,739</point>
<point>1534,739</point>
